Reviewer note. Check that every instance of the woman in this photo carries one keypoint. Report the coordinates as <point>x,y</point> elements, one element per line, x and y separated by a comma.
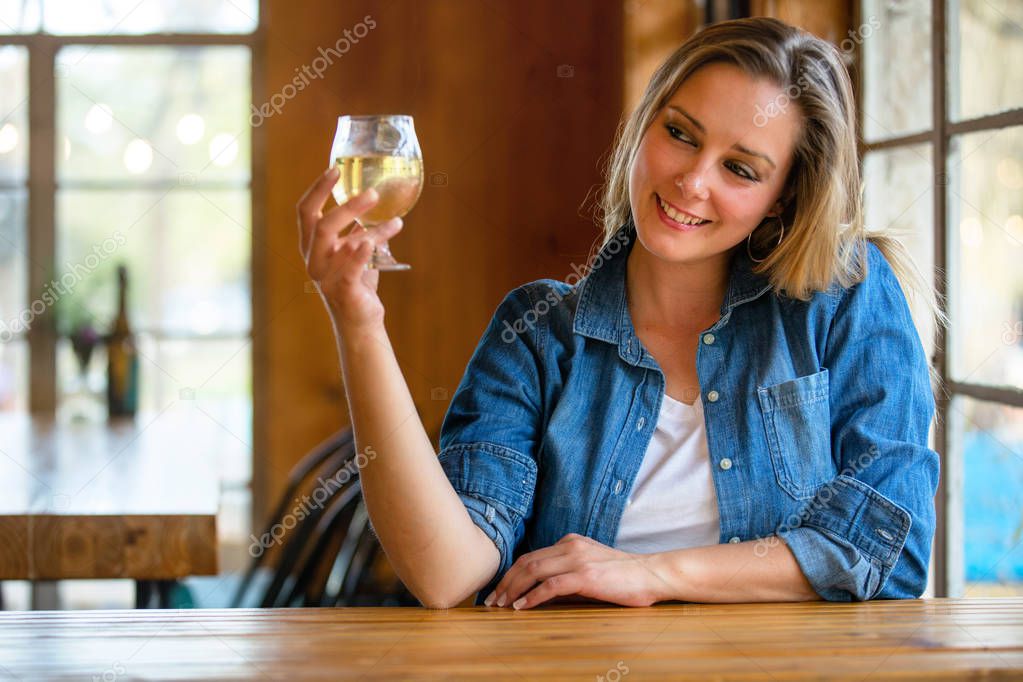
<point>732,406</point>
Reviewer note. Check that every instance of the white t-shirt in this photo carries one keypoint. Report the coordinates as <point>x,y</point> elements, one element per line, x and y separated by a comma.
<point>673,503</point>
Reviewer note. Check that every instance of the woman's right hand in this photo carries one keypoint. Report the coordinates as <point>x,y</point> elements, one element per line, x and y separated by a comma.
<point>336,250</point>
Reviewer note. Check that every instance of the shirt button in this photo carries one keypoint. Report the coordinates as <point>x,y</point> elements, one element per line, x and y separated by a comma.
<point>708,339</point>
<point>734,540</point>
<point>641,423</point>
<point>725,464</point>
<point>618,486</point>
<point>713,396</point>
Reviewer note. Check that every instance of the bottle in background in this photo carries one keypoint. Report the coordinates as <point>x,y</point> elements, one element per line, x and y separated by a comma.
<point>122,357</point>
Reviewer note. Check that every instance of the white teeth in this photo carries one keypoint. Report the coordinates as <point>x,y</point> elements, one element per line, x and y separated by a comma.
<point>676,216</point>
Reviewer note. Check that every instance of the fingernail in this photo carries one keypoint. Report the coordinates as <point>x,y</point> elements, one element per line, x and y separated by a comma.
<point>489,600</point>
<point>329,171</point>
<point>519,603</point>
<point>370,195</point>
<point>500,600</point>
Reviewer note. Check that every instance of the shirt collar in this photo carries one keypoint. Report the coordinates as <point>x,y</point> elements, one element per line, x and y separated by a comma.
<point>602,312</point>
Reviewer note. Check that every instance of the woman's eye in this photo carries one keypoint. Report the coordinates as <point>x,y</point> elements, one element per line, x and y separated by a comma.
<point>741,171</point>
<point>678,134</point>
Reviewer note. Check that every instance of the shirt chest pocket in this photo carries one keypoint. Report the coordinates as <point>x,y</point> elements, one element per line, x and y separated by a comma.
<point>797,421</point>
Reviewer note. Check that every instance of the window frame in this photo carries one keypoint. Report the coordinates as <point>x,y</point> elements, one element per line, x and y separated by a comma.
<point>41,183</point>
<point>948,549</point>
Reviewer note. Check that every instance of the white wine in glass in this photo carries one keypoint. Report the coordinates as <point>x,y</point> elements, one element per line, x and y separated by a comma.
<point>381,152</point>
<point>397,179</point>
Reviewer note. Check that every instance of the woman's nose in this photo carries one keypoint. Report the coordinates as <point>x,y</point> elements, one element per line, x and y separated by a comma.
<point>692,185</point>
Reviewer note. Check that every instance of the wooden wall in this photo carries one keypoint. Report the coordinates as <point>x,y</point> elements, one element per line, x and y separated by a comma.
<point>827,19</point>
<point>653,30</point>
<point>515,103</point>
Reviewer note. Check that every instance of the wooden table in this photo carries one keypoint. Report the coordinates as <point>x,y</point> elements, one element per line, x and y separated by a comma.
<point>124,500</point>
<point>928,639</point>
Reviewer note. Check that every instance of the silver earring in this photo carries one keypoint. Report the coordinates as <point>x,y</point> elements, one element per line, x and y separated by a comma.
<point>781,235</point>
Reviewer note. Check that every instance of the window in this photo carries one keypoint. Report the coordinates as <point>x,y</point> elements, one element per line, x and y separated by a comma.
<point>943,164</point>
<point>140,154</point>
<point>156,176</point>
<point>127,17</point>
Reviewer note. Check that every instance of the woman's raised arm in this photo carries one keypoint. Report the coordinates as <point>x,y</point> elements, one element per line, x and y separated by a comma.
<point>423,526</point>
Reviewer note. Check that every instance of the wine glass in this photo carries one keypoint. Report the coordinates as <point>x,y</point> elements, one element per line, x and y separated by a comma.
<point>381,152</point>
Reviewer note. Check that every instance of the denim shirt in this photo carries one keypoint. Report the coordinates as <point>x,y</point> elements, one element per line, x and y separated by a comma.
<point>817,415</point>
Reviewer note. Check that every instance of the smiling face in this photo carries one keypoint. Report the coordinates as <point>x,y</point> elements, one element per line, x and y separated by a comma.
<point>705,175</point>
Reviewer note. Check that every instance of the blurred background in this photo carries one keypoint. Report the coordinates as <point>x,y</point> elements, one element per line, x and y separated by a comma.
<point>174,137</point>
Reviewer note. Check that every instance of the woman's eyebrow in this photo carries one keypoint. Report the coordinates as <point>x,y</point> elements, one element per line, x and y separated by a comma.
<point>736,146</point>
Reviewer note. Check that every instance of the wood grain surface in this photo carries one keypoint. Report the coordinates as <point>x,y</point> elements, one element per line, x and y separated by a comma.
<point>124,500</point>
<point>914,639</point>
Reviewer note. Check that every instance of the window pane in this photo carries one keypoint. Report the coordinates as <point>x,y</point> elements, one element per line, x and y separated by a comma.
<point>117,122</point>
<point>986,249</point>
<point>988,438</point>
<point>13,376</point>
<point>13,249</point>
<point>896,42</point>
<point>152,16</point>
<point>19,16</point>
<point>986,48</point>
<point>899,196</point>
<point>13,115</point>
<point>187,253</point>
<point>207,386</point>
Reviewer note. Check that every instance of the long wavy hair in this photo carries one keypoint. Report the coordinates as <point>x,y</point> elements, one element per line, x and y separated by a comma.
<point>824,240</point>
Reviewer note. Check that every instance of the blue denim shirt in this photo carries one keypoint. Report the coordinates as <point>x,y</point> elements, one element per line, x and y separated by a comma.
<point>817,415</point>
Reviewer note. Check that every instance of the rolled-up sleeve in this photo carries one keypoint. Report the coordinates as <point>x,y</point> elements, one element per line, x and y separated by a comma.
<point>490,433</point>
<point>867,534</point>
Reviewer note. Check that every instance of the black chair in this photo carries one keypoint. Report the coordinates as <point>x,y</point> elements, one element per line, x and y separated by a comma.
<point>304,565</point>
<point>323,462</point>
<point>271,565</point>
<point>360,574</point>
<point>329,557</point>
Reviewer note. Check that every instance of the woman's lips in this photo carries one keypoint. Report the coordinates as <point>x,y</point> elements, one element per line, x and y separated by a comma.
<point>674,224</point>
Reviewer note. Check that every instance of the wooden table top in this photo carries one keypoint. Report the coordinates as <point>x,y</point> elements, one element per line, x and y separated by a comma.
<point>913,639</point>
<point>131,499</point>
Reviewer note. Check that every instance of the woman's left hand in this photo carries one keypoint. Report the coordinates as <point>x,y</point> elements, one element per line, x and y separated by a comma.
<point>579,566</point>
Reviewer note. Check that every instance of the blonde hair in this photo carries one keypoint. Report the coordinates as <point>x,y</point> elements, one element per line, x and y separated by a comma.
<point>824,239</point>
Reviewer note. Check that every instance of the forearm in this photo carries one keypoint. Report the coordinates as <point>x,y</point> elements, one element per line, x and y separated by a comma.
<point>756,571</point>
<point>424,528</point>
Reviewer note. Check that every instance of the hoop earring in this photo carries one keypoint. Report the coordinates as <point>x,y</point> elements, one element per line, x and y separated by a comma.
<point>781,235</point>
